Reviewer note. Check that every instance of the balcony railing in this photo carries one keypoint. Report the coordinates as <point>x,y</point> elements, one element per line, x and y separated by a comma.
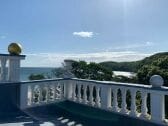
<point>114,97</point>
<point>109,96</point>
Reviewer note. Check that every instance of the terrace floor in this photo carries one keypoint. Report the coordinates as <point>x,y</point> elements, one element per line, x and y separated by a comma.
<point>68,114</point>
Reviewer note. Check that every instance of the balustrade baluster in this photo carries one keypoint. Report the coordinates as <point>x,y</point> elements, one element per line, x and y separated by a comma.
<point>32,95</point>
<point>74,92</point>
<point>51,92</point>
<point>115,102</point>
<point>40,94</point>
<point>144,108</point>
<point>61,90</point>
<point>133,103</point>
<point>97,96</point>
<point>79,92</point>
<point>85,94</point>
<point>29,95</point>
<point>54,90</point>
<point>91,95</point>
<point>47,93</point>
<point>123,104</point>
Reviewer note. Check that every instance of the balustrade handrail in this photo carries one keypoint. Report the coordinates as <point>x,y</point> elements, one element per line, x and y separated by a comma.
<point>121,84</point>
<point>106,83</point>
<point>43,80</point>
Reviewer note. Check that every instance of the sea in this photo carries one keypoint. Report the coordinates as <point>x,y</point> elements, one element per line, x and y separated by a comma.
<point>27,71</point>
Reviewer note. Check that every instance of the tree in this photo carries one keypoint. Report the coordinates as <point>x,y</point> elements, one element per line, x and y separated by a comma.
<point>158,66</point>
<point>92,71</point>
<point>36,77</point>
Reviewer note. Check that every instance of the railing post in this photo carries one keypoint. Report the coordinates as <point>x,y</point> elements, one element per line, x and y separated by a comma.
<point>105,97</point>
<point>157,100</point>
<point>24,96</point>
<point>14,69</point>
<point>68,89</point>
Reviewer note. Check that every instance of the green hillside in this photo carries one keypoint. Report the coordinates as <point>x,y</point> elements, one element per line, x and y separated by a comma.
<point>133,66</point>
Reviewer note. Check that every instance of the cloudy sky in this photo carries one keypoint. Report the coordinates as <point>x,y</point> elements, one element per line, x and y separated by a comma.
<point>91,30</point>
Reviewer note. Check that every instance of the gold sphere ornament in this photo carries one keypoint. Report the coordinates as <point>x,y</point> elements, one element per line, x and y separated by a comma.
<point>15,49</point>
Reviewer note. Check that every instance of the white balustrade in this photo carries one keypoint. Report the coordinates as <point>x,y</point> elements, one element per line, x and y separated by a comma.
<point>99,94</point>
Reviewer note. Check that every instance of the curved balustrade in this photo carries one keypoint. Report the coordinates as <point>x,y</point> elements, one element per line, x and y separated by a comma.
<point>127,99</point>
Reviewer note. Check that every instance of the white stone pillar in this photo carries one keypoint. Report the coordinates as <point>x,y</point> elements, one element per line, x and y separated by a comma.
<point>14,68</point>
<point>26,100</point>
<point>68,68</point>
<point>3,69</point>
<point>105,97</point>
<point>157,100</point>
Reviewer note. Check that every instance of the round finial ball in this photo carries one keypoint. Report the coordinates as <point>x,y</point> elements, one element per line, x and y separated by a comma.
<point>156,81</point>
<point>15,49</point>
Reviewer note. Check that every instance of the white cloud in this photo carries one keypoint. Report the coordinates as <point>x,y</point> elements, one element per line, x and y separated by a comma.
<point>84,34</point>
<point>55,59</point>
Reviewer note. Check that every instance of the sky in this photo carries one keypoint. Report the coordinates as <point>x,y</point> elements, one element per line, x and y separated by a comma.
<point>92,30</point>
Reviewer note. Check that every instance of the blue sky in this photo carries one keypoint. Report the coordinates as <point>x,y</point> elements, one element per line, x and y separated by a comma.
<point>92,30</point>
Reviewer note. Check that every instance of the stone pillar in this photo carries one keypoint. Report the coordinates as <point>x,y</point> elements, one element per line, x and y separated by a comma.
<point>105,97</point>
<point>14,68</point>
<point>68,89</point>
<point>157,99</point>
<point>68,67</point>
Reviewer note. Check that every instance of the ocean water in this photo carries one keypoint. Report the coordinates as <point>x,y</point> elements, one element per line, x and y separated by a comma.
<point>27,71</point>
